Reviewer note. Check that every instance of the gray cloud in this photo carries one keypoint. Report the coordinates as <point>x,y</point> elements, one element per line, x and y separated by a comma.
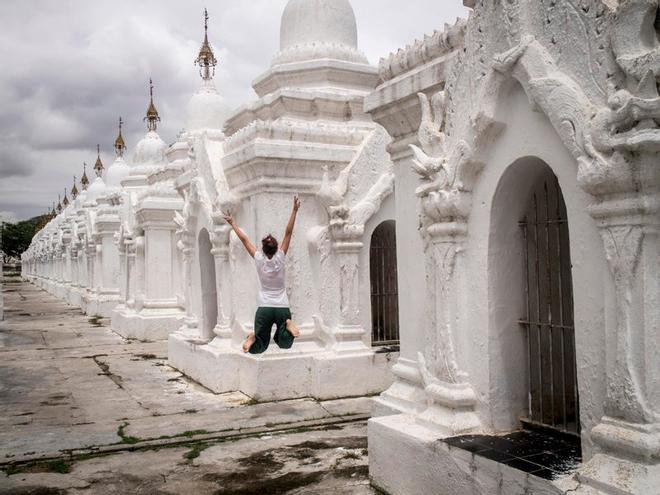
<point>70,68</point>
<point>15,160</point>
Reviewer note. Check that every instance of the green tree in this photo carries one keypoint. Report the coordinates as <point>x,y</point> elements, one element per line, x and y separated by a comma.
<point>16,237</point>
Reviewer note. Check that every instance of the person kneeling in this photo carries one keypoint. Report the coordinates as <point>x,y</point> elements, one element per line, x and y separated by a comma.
<point>273,303</point>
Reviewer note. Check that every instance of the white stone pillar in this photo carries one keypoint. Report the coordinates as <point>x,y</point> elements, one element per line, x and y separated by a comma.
<point>138,279</point>
<point>349,333</point>
<point>187,255</point>
<point>220,252</point>
<point>628,436</point>
<point>130,272</point>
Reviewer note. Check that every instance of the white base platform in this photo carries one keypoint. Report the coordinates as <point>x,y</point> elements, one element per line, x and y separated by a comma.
<point>146,325</point>
<point>280,374</point>
<point>74,297</point>
<point>101,305</point>
<point>62,291</point>
<point>455,471</point>
<point>608,475</point>
<point>407,458</point>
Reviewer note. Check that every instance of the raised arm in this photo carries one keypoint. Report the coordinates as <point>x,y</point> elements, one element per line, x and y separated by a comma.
<point>241,235</point>
<point>289,226</point>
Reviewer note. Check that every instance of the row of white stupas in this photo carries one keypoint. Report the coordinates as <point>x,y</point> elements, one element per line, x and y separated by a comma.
<point>517,153</point>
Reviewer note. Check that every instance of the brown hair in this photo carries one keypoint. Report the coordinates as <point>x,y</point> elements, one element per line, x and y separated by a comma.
<point>269,246</point>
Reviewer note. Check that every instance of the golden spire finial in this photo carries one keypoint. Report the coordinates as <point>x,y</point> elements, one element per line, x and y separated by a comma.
<point>206,58</point>
<point>120,145</point>
<point>74,189</point>
<point>84,181</point>
<point>98,166</point>
<point>65,201</point>
<point>58,208</point>
<point>152,117</point>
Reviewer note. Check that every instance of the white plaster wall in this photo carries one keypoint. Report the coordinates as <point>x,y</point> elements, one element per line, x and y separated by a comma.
<point>177,279</point>
<point>410,258</point>
<point>158,255</point>
<point>203,222</point>
<point>265,213</point>
<point>243,275</point>
<point>110,263</point>
<point>506,272</point>
<point>528,134</point>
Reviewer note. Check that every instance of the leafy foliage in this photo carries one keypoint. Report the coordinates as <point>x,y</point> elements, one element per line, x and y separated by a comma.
<point>16,237</point>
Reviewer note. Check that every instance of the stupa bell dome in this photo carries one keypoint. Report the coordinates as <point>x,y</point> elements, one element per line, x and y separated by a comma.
<point>313,29</point>
<point>117,172</point>
<point>96,190</point>
<point>150,150</point>
<point>206,108</point>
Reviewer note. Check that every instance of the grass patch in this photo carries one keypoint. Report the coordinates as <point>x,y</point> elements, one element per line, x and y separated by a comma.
<point>57,466</point>
<point>195,451</point>
<point>126,438</point>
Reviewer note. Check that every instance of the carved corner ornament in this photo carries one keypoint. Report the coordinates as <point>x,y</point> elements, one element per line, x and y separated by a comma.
<point>446,176</point>
<point>451,406</point>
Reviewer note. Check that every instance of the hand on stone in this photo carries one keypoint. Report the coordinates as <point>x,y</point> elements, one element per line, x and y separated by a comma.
<point>229,219</point>
<point>296,203</point>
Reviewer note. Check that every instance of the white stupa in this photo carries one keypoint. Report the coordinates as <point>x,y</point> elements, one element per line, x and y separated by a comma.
<point>206,109</point>
<point>98,187</point>
<point>150,150</point>
<point>84,185</point>
<point>119,168</point>
<point>316,29</point>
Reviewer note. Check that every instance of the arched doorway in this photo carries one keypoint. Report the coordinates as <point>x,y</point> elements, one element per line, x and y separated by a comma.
<point>384,285</point>
<point>209,294</point>
<point>531,343</point>
<point>548,297</point>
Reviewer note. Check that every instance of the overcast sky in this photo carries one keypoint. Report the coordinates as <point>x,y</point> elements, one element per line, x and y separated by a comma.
<point>71,67</point>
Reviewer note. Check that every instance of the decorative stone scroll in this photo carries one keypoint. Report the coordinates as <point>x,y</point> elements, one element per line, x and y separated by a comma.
<point>345,229</point>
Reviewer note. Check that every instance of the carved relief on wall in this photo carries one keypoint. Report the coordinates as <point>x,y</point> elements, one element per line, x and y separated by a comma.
<point>606,113</point>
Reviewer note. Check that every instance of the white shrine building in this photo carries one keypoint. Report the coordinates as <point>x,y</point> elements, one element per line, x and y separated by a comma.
<point>488,198</point>
<point>306,134</point>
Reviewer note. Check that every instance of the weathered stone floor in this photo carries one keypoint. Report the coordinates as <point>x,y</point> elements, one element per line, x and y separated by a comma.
<point>86,411</point>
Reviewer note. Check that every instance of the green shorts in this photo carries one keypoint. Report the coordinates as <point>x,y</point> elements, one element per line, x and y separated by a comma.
<point>263,325</point>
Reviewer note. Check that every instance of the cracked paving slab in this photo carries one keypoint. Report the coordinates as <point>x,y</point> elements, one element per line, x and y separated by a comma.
<point>318,461</point>
<point>67,382</point>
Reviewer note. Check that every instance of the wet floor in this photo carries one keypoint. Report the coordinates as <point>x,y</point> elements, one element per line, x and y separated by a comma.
<point>542,454</point>
<point>83,410</point>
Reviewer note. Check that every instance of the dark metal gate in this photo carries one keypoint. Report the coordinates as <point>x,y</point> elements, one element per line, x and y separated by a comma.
<point>384,286</point>
<point>553,391</point>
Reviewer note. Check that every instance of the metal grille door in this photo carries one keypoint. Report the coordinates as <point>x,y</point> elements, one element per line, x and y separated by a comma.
<point>553,391</point>
<point>384,286</point>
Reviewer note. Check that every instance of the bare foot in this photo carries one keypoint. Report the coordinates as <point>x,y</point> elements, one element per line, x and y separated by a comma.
<point>291,327</point>
<point>248,342</point>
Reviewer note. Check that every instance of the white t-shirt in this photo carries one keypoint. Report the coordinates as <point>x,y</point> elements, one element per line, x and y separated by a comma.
<point>271,276</point>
